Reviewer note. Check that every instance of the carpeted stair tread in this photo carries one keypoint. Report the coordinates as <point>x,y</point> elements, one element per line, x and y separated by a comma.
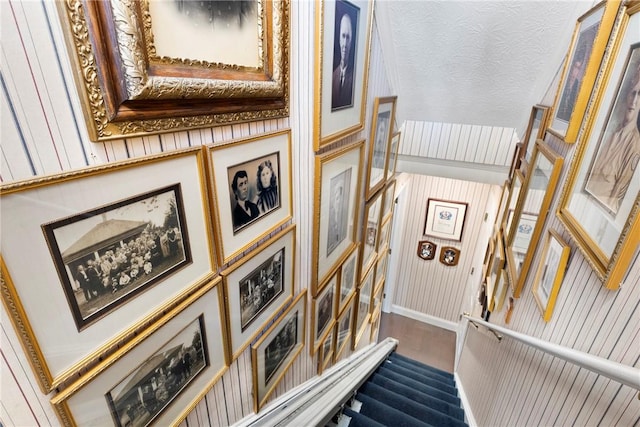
<point>407,406</point>
<point>359,420</point>
<point>385,414</point>
<point>406,359</point>
<point>421,378</point>
<point>410,382</point>
<point>423,372</point>
<point>418,396</point>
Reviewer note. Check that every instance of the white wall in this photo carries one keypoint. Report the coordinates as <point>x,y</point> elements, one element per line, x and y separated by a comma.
<point>431,288</point>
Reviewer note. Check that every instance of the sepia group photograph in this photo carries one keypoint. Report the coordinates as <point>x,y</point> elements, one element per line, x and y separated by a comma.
<point>141,396</point>
<point>107,255</point>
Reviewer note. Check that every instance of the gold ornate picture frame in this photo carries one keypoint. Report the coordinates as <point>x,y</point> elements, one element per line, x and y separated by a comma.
<point>260,181</point>
<point>131,241</point>
<point>150,67</point>
<point>600,200</point>
<point>382,124</point>
<point>550,272</point>
<point>536,128</point>
<point>140,383</point>
<point>276,350</point>
<point>580,70</point>
<point>335,209</point>
<point>531,211</point>
<point>341,83</point>
<point>257,287</point>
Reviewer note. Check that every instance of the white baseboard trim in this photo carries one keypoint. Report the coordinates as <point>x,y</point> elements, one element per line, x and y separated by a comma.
<point>425,318</point>
<point>469,418</point>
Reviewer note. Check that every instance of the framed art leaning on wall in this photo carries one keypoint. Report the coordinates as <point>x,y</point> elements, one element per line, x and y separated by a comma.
<point>600,200</point>
<point>110,256</point>
<point>343,37</point>
<point>160,66</point>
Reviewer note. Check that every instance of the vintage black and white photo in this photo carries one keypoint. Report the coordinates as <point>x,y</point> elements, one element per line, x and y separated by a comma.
<point>340,186</point>
<point>262,286</point>
<point>280,347</point>
<point>344,54</point>
<point>106,255</point>
<point>142,395</point>
<point>254,189</point>
<point>324,311</point>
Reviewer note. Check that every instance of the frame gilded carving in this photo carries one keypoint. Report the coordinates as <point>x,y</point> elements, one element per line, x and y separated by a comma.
<point>43,324</point>
<point>538,122</point>
<point>336,120</point>
<point>133,360</point>
<point>607,228</point>
<point>550,272</point>
<point>363,308</point>
<point>586,50</point>
<point>128,88</point>
<point>323,314</point>
<point>533,206</point>
<point>343,329</point>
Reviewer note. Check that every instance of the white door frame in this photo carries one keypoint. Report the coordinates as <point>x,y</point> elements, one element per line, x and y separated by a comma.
<point>397,230</point>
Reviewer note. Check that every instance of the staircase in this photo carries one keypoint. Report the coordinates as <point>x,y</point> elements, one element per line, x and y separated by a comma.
<point>405,393</point>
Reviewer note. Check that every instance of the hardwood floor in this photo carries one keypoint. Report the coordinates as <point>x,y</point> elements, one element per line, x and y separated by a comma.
<point>420,341</point>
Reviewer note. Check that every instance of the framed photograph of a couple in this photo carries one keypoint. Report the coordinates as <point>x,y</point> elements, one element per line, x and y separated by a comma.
<point>337,185</point>
<point>109,246</point>
<point>587,48</point>
<point>276,350</point>
<point>600,200</point>
<point>107,255</point>
<point>253,195</point>
<point>343,34</point>
<point>257,287</point>
<point>163,373</point>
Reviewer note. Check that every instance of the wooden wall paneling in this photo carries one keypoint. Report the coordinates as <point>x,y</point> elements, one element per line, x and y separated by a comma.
<point>454,140</point>
<point>434,140</point>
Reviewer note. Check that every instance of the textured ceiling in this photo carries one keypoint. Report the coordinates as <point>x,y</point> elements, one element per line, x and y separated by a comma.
<point>474,62</point>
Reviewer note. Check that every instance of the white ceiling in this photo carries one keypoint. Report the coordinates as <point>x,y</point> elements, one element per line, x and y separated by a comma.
<point>482,62</point>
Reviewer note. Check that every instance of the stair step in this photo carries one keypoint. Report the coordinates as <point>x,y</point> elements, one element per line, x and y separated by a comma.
<point>422,372</point>
<point>359,420</point>
<point>407,406</point>
<point>418,396</point>
<point>444,387</point>
<point>421,365</point>
<point>410,382</point>
<point>385,414</point>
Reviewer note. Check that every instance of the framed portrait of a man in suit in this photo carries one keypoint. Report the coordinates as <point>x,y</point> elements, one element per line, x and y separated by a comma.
<point>344,49</point>
<point>343,38</point>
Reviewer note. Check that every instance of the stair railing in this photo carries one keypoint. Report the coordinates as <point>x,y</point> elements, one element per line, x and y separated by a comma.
<point>317,400</point>
<point>624,374</point>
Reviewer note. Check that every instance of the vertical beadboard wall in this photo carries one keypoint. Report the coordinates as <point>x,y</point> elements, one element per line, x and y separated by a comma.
<point>489,145</point>
<point>508,383</point>
<point>429,288</point>
<point>43,133</point>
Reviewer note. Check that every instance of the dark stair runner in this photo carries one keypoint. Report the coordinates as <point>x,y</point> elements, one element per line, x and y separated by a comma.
<point>405,393</point>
